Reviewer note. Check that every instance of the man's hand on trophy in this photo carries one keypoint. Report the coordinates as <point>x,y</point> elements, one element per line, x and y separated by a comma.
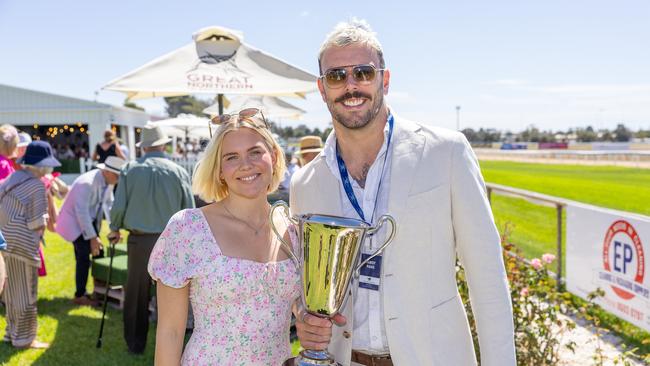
<point>313,332</point>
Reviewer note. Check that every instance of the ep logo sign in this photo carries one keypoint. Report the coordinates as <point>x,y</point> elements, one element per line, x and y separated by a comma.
<point>623,259</point>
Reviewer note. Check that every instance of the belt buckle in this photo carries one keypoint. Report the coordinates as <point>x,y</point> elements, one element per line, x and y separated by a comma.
<point>371,360</point>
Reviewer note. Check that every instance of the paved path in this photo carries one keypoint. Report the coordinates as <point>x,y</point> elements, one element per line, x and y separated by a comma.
<point>586,345</point>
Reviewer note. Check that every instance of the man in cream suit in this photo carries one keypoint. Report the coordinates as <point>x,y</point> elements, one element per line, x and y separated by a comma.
<point>406,309</point>
<point>79,221</point>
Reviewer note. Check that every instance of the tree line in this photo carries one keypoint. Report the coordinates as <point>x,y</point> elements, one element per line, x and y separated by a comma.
<point>193,105</point>
<point>534,134</point>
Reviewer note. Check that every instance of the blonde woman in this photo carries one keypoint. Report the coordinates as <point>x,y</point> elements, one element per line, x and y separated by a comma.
<point>8,144</point>
<point>23,214</point>
<point>223,258</point>
<point>109,147</point>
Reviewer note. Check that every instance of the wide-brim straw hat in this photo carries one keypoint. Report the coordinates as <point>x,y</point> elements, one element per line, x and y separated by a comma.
<point>309,144</point>
<point>152,136</point>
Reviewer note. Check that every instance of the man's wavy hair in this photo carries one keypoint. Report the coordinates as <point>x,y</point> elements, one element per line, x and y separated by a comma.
<point>352,32</point>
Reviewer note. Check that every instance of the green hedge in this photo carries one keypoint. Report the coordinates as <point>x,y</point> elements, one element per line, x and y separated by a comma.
<point>68,166</point>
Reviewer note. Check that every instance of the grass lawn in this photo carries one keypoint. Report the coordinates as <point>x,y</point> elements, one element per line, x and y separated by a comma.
<point>72,330</point>
<point>534,226</point>
<point>620,188</point>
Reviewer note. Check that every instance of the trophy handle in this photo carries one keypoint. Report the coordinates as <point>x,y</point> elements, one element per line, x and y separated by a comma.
<point>286,246</point>
<point>393,226</point>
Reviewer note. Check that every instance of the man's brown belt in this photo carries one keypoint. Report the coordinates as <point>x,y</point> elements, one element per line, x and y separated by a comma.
<point>370,360</point>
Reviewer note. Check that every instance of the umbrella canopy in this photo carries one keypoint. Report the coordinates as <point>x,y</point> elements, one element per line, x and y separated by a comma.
<point>189,124</point>
<point>216,62</point>
<point>272,107</point>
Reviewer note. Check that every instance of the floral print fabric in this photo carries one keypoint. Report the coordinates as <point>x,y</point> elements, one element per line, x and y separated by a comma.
<point>242,308</point>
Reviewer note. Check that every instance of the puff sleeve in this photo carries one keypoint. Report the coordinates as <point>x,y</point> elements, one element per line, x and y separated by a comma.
<point>174,260</point>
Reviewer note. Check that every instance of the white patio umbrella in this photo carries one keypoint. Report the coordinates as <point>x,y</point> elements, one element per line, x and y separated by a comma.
<point>218,62</point>
<point>272,107</point>
<point>189,124</point>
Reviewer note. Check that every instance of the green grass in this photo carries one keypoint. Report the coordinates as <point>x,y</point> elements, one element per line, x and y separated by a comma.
<point>533,227</point>
<point>619,188</point>
<point>72,330</point>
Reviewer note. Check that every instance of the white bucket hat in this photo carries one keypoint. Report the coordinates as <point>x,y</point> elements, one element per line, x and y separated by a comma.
<point>152,136</point>
<point>112,164</point>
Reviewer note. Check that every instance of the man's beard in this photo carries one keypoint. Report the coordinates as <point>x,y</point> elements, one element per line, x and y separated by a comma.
<point>357,122</point>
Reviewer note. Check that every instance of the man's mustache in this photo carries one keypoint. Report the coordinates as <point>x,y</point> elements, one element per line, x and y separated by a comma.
<point>354,94</point>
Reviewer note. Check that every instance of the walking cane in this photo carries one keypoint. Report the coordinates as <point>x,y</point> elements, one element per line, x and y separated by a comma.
<point>111,250</point>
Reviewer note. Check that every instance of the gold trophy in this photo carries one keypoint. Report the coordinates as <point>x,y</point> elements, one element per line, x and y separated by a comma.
<point>328,260</point>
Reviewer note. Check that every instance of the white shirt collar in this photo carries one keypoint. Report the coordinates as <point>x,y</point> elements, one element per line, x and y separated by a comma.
<point>329,149</point>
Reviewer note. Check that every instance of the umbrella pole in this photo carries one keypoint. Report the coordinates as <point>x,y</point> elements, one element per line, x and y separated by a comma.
<point>220,100</point>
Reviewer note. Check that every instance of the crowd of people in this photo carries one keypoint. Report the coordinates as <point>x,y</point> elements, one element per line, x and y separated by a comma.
<point>222,261</point>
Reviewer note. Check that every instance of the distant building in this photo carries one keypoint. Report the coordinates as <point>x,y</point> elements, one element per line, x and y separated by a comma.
<point>63,120</point>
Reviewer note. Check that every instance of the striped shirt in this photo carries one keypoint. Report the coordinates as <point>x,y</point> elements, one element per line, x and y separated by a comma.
<point>23,210</point>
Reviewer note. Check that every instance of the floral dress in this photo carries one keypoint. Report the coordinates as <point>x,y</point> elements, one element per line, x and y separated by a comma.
<point>242,308</point>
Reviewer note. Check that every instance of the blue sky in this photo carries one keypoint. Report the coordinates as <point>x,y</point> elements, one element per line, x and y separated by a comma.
<point>508,64</point>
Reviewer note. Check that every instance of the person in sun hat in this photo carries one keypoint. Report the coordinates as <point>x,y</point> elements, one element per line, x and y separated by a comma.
<point>151,190</point>
<point>80,218</point>
<point>310,147</point>
<point>23,215</point>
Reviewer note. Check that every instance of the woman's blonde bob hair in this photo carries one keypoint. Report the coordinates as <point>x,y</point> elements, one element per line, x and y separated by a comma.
<point>8,140</point>
<point>206,182</point>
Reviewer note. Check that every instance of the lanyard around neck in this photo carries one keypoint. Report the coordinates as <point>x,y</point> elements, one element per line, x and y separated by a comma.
<point>345,178</point>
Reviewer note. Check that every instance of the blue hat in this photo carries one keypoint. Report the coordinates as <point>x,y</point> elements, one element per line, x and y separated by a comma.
<point>39,153</point>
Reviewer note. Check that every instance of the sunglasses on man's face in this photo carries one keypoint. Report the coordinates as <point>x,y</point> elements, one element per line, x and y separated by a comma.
<point>243,115</point>
<point>336,77</point>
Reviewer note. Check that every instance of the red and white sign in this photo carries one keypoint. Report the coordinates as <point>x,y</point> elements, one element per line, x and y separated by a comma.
<point>607,249</point>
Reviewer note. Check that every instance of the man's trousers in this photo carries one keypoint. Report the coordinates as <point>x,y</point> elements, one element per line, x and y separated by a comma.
<point>136,291</point>
<point>20,296</point>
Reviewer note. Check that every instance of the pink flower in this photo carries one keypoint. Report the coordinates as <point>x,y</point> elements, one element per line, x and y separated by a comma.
<point>536,263</point>
<point>524,291</point>
<point>548,258</point>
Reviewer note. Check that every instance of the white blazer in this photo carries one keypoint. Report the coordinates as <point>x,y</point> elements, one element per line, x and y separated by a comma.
<point>438,200</point>
<point>82,204</point>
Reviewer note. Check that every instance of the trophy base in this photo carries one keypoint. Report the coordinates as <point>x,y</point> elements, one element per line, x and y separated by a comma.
<point>311,358</point>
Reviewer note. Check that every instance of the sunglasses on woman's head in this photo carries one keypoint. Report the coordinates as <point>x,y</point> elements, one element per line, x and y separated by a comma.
<point>336,77</point>
<point>243,115</point>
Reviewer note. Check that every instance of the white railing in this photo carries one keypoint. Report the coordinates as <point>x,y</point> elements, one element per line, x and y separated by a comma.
<point>188,163</point>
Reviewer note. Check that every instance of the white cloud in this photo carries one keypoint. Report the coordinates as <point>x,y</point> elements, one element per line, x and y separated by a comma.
<point>593,89</point>
<point>399,96</point>
<point>510,82</point>
<point>304,13</point>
